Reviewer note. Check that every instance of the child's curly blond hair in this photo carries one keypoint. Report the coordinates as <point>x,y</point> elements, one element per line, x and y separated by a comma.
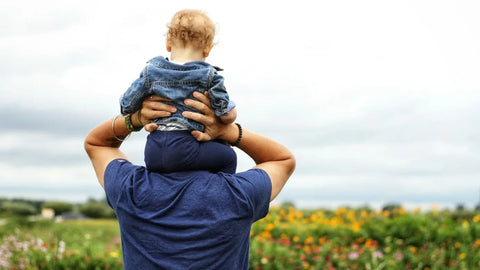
<point>191,27</point>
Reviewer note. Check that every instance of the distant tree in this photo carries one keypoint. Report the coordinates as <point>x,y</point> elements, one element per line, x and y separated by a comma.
<point>391,206</point>
<point>18,208</point>
<point>96,210</point>
<point>460,207</point>
<point>287,204</point>
<point>58,207</point>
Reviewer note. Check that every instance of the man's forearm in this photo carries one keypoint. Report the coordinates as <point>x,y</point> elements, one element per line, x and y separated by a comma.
<point>262,149</point>
<point>110,133</point>
<point>272,157</point>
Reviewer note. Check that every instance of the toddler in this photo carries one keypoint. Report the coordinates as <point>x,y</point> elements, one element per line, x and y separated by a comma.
<point>172,147</point>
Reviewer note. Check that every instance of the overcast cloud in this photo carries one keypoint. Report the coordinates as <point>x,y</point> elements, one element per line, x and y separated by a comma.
<point>378,100</point>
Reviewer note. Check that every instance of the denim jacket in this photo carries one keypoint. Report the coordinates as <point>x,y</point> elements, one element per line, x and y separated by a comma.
<point>177,82</point>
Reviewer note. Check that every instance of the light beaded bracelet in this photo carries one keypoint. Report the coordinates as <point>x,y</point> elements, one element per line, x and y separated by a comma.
<point>239,135</point>
<point>113,130</point>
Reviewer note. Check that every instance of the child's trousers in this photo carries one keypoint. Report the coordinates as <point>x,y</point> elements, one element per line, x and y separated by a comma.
<point>173,151</point>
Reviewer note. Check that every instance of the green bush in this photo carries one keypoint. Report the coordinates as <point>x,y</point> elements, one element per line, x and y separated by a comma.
<point>18,208</point>
<point>96,210</point>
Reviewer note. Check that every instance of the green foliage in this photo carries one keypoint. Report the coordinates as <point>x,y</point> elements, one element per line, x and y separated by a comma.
<point>96,210</point>
<point>364,239</point>
<point>58,207</point>
<point>90,244</point>
<point>287,238</point>
<point>18,208</point>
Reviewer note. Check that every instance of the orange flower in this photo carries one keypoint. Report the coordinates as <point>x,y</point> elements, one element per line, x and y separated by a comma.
<point>309,240</point>
<point>477,243</point>
<point>321,240</point>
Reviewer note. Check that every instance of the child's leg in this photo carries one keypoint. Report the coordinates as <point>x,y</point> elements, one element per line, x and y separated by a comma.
<point>216,157</point>
<point>169,151</point>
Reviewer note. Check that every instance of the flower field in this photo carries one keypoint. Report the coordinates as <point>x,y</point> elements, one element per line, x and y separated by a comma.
<point>84,244</point>
<point>288,238</point>
<point>364,239</point>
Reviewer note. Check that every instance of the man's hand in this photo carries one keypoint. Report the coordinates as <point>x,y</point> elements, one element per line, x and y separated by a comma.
<point>214,128</point>
<point>152,108</point>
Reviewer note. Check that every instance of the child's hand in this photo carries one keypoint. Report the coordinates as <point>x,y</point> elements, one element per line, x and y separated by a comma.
<point>151,127</point>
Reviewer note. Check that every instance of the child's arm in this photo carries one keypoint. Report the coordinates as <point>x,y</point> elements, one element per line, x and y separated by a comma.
<point>229,117</point>
<point>131,100</point>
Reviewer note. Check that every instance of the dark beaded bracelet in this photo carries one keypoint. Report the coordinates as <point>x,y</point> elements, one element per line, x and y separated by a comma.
<point>239,135</point>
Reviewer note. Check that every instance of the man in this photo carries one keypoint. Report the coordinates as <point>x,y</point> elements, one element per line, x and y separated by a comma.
<point>190,219</point>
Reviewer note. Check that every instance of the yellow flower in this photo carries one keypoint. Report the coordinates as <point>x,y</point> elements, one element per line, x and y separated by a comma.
<point>457,244</point>
<point>340,211</point>
<point>462,256</point>
<point>476,219</point>
<point>270,226</point>
<point>356,226</point>
<point>413,249</point>
<point>114,254</point>
<point>296,239</point>
<point>351,215</point>
<point>388,249</point>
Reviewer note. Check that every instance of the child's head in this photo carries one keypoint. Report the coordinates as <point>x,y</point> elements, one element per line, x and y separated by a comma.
<point>192,29</point>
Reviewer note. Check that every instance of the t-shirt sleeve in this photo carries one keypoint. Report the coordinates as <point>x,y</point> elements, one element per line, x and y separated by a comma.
<point>118,171</point>
<point>258,188</point>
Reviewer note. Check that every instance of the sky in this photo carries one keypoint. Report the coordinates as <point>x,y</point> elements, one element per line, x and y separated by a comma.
<point>378,100</point>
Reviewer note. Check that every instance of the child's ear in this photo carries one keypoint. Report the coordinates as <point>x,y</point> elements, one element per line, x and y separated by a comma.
<point>168,45</point>
<point>207,50</point>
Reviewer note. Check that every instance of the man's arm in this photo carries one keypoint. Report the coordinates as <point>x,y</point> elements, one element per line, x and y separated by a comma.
<point>275,159</point>
<point>103,142</point>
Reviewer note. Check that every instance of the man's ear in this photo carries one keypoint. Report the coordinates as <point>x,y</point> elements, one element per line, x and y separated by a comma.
<point>168,45</point>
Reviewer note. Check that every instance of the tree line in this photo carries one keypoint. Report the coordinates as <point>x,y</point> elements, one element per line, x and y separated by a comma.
<point>25,207</point>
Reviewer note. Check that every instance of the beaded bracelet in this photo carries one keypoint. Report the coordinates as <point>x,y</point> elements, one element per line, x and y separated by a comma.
<point>129,124</point>
<point>239,135</point>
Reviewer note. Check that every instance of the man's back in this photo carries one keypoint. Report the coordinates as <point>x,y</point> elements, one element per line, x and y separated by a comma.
<point>185,220</point>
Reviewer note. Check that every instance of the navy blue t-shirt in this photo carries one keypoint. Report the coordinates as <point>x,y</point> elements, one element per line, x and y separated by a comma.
<point>185,220</point>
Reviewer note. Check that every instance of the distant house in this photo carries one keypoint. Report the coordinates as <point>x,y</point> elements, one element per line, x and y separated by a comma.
<point>70,216</point>
<point>48,213</point>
